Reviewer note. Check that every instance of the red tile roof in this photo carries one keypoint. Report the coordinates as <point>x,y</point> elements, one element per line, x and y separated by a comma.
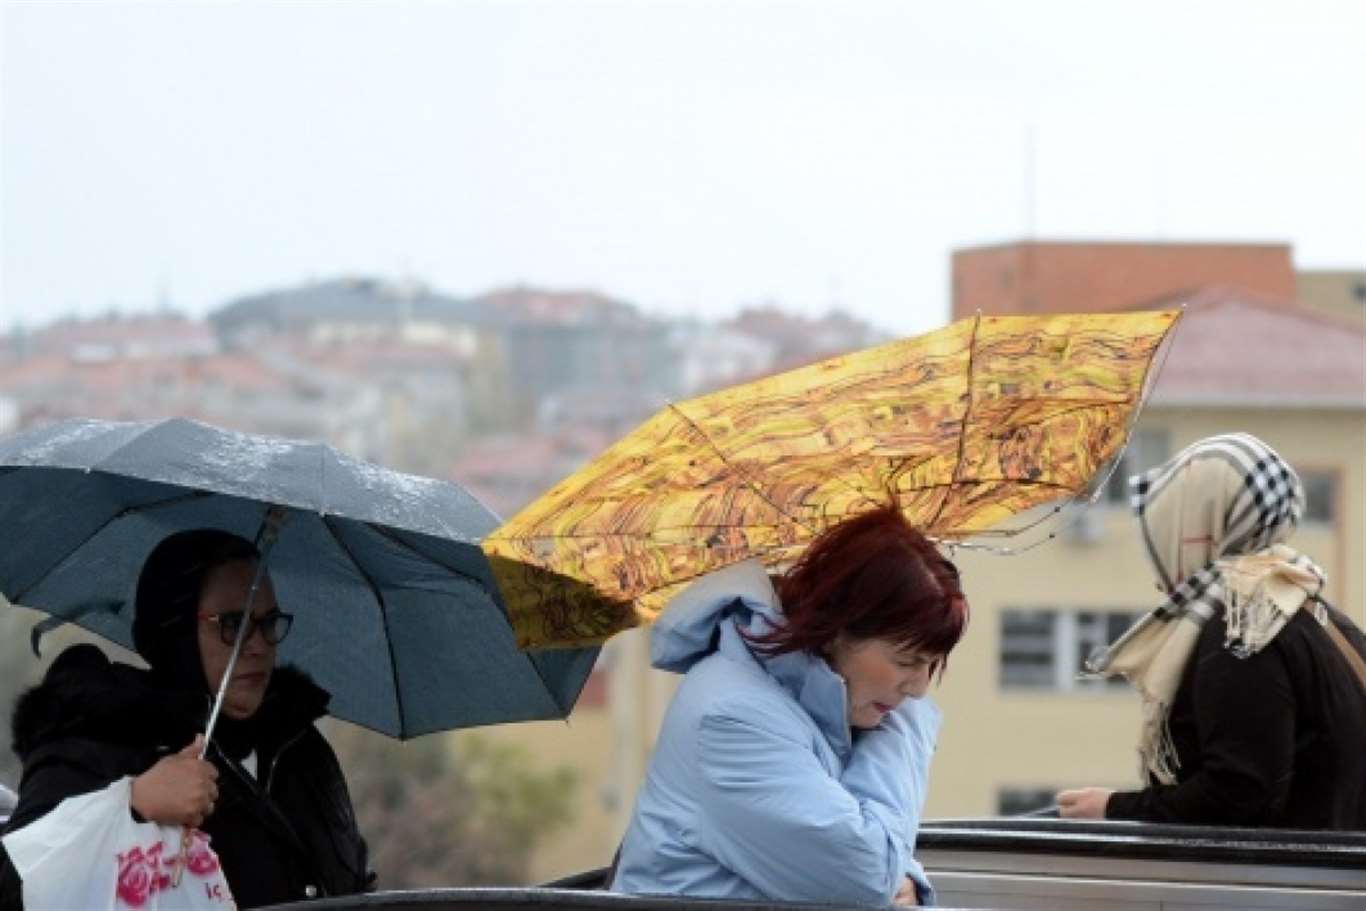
<point>119,385</point>
<point>1237,348</point>
<point>125,336</point>
<point>508,471</point>
<point>535,305</point>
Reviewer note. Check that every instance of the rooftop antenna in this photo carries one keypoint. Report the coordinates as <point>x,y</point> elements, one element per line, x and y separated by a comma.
<point>163,296</point>
<point>1160,193</point>
<point>1030,203</point>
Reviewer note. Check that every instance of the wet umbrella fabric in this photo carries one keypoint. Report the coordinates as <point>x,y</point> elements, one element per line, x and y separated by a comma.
<point>396,613</point>
<point>961,428</point>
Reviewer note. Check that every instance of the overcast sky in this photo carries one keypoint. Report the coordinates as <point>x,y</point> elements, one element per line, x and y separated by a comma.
<point>688,157</point>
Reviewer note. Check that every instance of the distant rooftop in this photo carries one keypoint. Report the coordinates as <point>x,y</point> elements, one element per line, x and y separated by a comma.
<point>522,304</point>
<point>373,300</point>
<point>120,337</point>
<point>341,299</point>
<point>798,339</point>
<point>1237,348</point>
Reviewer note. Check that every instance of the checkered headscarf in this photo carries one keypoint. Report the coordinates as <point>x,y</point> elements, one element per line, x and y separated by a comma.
<point>1213,519</point>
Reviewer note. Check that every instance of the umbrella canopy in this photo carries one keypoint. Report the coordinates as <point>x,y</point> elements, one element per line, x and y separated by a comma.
<point>396,613</point>
<point>960,428</point>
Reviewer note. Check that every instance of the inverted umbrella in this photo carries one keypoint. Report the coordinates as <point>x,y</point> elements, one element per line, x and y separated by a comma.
<point>396,613</point>
<point>961,428</point>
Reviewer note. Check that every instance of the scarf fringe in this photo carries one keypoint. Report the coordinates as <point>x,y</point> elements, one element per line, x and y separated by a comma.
<point>1156,751</point>
<point>1252,617</point>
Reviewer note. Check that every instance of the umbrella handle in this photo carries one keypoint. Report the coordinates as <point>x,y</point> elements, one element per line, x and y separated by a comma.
<point>266,536</point>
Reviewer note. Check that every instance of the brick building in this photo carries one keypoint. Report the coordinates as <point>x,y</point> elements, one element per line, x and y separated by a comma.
<point>1064,277</point>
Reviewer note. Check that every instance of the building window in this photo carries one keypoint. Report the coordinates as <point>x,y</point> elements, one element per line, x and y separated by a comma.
<point>1320,496</point>
<point>1047,649</point>
<point>1147,448</point>
<point>1020,801</point>
<point>1027,648</point>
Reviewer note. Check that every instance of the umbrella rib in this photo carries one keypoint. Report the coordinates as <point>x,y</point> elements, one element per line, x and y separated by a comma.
<point>1023,482</point>
<point>1082,405</point>
<point>388,535</point>
<point>482,585</point>
<point>322,480</point>
<point>545,684</point>
<point>478,583</point>
<point>125,511</point>
<point>592,536</point>
<point>753,485</point>
<point>144,431</point>
<point>967,414</point>
<point>383,612</point>
<point>854,490</point>
<point>679,580</point>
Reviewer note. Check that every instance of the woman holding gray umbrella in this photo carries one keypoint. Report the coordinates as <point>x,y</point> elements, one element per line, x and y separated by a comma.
<point>268,792</point>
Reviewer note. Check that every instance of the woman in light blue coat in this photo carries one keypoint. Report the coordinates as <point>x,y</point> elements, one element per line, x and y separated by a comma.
<point>794,759</point>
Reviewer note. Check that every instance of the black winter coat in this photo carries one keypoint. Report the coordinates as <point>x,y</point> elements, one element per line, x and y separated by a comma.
<point>1275,740</point>
<point>287,835</point>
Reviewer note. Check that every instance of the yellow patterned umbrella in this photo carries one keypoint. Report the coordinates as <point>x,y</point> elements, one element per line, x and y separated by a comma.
<point>962,428</point>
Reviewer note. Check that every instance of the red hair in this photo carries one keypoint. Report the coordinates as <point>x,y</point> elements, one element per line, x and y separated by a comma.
<point>870,577</point>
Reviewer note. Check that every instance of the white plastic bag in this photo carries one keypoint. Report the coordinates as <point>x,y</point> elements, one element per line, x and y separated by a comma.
<point>89,853</point>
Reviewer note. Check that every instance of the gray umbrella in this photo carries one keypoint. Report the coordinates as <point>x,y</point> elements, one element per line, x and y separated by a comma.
<point>396,613</point>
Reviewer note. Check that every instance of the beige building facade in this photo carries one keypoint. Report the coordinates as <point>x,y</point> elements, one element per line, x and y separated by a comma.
<point>1337,291</point>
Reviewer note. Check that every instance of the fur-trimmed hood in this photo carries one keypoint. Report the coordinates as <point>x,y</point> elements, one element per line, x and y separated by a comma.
<point>86,695</point>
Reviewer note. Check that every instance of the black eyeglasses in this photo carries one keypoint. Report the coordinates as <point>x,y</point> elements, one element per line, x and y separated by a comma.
<point>274,626</point>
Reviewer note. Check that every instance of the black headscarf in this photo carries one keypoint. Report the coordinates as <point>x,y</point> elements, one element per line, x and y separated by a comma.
<point>165,624</point>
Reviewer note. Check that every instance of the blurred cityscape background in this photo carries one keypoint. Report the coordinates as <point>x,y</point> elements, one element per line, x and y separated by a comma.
<point>507,389</point>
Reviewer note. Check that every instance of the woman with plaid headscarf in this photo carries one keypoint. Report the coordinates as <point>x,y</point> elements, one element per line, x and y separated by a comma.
<point>1253,687</point>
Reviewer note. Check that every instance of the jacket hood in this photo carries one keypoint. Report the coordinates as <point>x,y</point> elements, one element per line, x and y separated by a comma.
<point>84,694</point>
<point>688,630</point>
<point>709,617</point>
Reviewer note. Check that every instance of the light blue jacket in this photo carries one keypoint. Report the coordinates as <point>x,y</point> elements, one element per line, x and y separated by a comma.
<point>757,789</point>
